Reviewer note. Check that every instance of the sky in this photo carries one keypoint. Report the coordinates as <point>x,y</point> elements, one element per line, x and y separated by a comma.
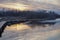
<point>28,4</point>
<point>26,1</point>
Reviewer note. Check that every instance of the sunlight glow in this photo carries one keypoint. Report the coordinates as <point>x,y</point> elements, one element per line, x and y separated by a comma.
<point>22,26</point>
<point>18,27</point>
<point>17,6</point>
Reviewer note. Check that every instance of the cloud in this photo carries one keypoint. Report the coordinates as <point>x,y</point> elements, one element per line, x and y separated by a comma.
<point>31,1</point>
<point>34,4</point>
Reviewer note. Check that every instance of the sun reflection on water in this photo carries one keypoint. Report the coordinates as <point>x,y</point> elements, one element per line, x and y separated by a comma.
<point>18,27</point>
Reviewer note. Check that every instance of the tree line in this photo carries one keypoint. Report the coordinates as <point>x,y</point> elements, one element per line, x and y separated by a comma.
<point>30,14</point>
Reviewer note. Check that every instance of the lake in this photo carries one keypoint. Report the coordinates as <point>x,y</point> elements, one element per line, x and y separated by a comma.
<point>25,32</point>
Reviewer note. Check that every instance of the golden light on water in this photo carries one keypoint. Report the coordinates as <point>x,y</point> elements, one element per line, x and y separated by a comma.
<point>17,27</point>
<point>22,27</point>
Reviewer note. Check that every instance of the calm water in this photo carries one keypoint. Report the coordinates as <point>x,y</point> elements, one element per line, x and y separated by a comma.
<point>25,32</point>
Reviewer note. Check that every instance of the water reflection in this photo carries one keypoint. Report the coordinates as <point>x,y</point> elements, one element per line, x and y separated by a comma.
<point>32,24</point>
<point>23,31</point>
<point>23,26</point>
<point>17,27</point>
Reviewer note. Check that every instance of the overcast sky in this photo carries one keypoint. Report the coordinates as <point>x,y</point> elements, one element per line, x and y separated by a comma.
<point>26,1</point>
<point>29,2</point>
